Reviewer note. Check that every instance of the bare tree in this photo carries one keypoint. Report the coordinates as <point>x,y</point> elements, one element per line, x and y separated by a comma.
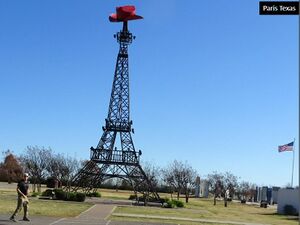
<point>222,185</point>
<point>180,177</point>
<point>227,179</point>
<point>55,166</point>
<point>230,183</point>
<point>35,160</point>
<point>152,172</point>
<point>62,168</point>
<point>73,166</point>
<point>213,179</point>
<point>218,191</point>
<point>246,190</point>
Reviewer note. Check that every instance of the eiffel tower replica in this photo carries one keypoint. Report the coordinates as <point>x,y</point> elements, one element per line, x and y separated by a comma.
<point>108,160</point>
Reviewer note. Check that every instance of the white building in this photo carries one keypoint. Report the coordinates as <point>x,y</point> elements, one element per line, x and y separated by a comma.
<point>204,189</point>
<point>197,187</point>
<point>288,196</point>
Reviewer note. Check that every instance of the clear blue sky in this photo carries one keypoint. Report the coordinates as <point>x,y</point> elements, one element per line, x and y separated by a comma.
<point>214,84</point>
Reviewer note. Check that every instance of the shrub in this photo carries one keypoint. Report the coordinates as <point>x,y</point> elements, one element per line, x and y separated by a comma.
<point>48,192</point>
<point>168,204</point>
<point>79,197</point>
<point>67,196</point>
<point>289,210</point>
<point>71,196</point>
<point>60,194</point>
<point>163,200</point>
<point>178,203</point>
<point>94,194</point>
<point>132,197</point>
<point>97,194</point>
<point>144,198</point>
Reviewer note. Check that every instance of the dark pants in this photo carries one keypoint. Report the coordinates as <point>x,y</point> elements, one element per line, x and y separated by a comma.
<point>21,202</point>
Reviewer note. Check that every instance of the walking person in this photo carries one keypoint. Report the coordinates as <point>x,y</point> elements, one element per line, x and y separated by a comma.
<point>22,190</point>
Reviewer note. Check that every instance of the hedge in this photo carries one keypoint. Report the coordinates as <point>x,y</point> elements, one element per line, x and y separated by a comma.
<point>66,196</point>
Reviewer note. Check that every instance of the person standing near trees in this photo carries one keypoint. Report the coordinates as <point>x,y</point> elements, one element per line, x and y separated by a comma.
<point>23,191</point>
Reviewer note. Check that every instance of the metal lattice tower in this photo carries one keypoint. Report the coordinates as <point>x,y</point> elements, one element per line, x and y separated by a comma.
<point>108,160</point>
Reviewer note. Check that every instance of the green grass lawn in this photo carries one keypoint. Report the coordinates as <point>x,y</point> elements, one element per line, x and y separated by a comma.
<point>181,222</point>
<point>37,206</point>
<point>113,194</point>
<point>204,209</point>
<point>196,208</point>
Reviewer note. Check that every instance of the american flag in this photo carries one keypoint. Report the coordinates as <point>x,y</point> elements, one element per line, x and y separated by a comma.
<point>287,147</point>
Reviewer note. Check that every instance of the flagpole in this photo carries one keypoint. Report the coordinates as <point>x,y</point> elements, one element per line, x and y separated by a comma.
<point>293,163</point>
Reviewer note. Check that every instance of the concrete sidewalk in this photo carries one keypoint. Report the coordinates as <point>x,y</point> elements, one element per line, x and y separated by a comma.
<point>35,220</point>
<point>98,214</point>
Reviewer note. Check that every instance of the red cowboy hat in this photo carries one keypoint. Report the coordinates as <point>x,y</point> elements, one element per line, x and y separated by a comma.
<point>124,13</point>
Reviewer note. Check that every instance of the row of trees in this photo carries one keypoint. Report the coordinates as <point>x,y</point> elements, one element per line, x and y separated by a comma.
<point>178,177</point>
<point>227,185</point>
<point>41,163</point>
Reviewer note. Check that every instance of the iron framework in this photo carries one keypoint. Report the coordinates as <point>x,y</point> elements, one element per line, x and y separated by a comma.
<point>108,160</point>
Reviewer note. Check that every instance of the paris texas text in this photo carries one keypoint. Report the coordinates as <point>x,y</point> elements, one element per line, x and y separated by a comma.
<point>281,8</point>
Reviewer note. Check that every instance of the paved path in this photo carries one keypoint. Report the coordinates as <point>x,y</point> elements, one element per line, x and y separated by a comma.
<point>36,220</point>
<point>98,214</point>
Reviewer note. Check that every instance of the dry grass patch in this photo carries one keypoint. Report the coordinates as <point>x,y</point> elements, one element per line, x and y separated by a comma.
<point>204,209</point>
<point>37,206</point>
